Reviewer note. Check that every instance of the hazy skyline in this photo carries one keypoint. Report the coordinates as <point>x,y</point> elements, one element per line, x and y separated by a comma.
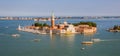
<point>60,7</point>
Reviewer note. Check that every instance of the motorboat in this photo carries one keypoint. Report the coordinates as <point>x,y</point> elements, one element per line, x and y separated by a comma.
<point>95,40</point>
<point>87,42</point>
<point>15,35</point>
<point>36,40</point>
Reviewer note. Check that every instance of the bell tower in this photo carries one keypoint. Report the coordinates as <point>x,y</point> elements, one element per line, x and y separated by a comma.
<point>52,20</point>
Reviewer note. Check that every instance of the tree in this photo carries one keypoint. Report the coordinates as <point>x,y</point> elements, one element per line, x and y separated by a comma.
<point>116,27</point>
<point>40,24</point>
<point>86,23</point>
<point>45,24</point>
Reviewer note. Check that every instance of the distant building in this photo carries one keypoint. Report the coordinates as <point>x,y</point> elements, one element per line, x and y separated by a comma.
<point>85,29</point>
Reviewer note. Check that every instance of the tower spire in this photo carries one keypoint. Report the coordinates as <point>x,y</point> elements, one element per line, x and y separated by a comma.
<point>53,17</point>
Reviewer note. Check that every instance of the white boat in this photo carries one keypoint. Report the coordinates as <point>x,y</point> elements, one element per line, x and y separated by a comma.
<point>15,35</point>
<point>87,42</point>
<point>96,40</point>
<point>36,40</point>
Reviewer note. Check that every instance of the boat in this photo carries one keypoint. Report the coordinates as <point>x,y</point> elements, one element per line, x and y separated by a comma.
<point>15,35</point>
<point>87,42</point>
<point>36,40</point>
<point>95,40</point>
<point>82,48</point>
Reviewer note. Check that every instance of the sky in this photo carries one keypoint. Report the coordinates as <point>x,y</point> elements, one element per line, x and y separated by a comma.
<point>60,7</point>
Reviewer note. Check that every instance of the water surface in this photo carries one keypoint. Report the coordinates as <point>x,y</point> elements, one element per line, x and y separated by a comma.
<point>58,45</point>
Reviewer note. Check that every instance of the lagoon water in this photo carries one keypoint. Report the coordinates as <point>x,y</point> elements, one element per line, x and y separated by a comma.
<point>58,44</point>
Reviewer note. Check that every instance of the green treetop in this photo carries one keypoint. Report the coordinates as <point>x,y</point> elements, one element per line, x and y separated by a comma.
<point>86,23</point>
<point>40,24</point>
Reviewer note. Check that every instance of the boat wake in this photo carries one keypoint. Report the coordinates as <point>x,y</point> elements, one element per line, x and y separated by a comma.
<point>13,35</point>
<point>2,34</point>
<point>111,40</point>
<point>99,40</point>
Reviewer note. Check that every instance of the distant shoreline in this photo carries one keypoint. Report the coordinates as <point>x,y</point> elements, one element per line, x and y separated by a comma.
<point>59,17</point>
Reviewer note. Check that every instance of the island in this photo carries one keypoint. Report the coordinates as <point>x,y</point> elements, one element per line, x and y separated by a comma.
<point>116,28</point>
<point>61,28</point>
